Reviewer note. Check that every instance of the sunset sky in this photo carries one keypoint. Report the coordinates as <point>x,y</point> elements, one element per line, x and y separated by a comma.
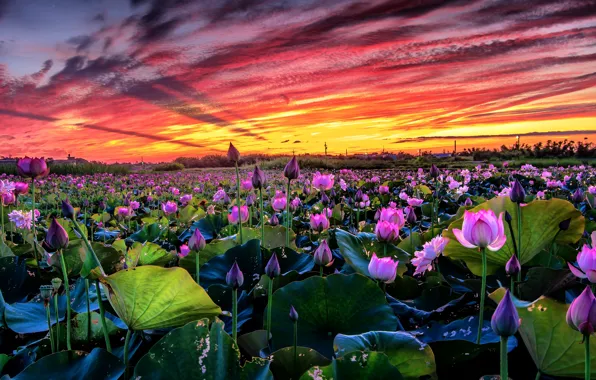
<point>117,80</point>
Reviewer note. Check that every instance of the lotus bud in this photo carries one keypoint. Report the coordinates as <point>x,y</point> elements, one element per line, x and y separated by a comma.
<point>293,314</point>
<point>508,217</point>
<point>505,320</point>
<point>411,215</point>
<point>434,171</point>
<point>512,267</point>
<point>517,194</point>
<point>292,170</point>
<point>56,237</point>
<point>581,315</point>
<point>258,178</point>
<point>358,196</point>
<point>319,222</point>
<point>578,196</point>
<point>32,167</point>
<point>482,229</point>
<point>272,268</point>
<point>8,198</point>
<point>233,153</point>
<point>383,270</point>
<point>564,225</point>
<point>21,188</point>
<point>67,209</point>
<point>235,278</point>
<point>468,202</point>
<point>324,199</point>
<point>323,256</point>
<point>196,241</point>
<point>274,221</point>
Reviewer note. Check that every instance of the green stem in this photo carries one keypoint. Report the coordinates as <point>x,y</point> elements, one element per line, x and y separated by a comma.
<point>126,342</point>
<point>482,296</point>
<point>102,317</point>
<point>295,344</point>
<point>288,218</point>
<point>321,270</point>
<point>432,215</point>
<point>197,265</point>
<point>587,360</point>
<point>57,323</point>
<point>50,328</point>
<point>519,238</point>
<point>88,245</point>
<point>88,310</point>
<point>550,250</point>
<point>262,216</point>
<point>504,367</point>
<point>538,375</point>
<point>238,203</point>
<point>3,233</point>
<point>66,288</point>
<point>33,226</point>
<point>235,315</point>
<point>269,308</point>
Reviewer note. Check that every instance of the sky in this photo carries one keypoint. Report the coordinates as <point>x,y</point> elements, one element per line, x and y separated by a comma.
<point>125,80</point>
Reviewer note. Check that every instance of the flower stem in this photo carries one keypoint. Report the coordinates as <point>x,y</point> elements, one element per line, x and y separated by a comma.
<point>235,315</point>
<point>102,317</point>
<point>57,323</point>
<point>126,342</point>
<point>482,296</point>
<point>197,265</point>
<point>67,289</point>
<point>269,307</point>
<point>538,375</point>
<point>288,219</point>
<point>88,245</point>
<point>52,340</point>
<point>262,217</point>
<point>321,270</point>
<point>88,310</point>
<point>238,203</point>
<point>33,226</point>
<point>519,238</point>
<point>587,363</point>
<point>295,344</point>
<point>2,212</point>
<point>504,367</point>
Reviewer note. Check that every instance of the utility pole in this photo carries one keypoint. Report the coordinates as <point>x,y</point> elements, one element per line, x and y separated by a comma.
<point>325,148</point>
<point>454,147</point>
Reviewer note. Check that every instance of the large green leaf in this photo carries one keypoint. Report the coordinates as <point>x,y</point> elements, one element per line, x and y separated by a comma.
<point>153,254</point>
<point>150,297</point>
<point>97,365</point>
<point>275,236</point>
<point>412,357</point>
<point>198,351</point>
<point>3,360</point>
<point>555,348</point>
<point>283,366</point>
<point>540,223</point>
<point>189,214</point>
<point>358,249</point>
<point>337,304</point>
<point>150,232</point>
<point>109,257</point>
<point>356,365</point>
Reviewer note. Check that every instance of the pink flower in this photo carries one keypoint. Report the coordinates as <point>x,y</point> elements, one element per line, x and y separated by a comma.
<point>383,189</point>
<point>394,216</point>
<point>481,229</point>
<point>185,199</point>
<point>403,196</point>
<point>295,204</point>
<point>123,212</point>
<point>184,250</point>
<point>343,185</point>
<point>430,251</point>
<point>586,260</point>
<point>135,205</point>
<point>323,181</point>
<point>233,216</point>
<point>384,269</point>
<point>246,184</point>
<point>319,222</point>
<point>279,201</point>
<point>387,232</point>
<point>415,202</point>
<point>22,219</point>
<point>169,207</point>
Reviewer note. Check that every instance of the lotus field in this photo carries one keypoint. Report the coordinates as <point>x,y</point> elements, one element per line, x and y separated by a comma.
<point>289,274</point>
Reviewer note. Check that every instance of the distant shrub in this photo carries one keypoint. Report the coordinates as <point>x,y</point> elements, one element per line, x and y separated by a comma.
<point>168,167</point>
<point>75,169</point>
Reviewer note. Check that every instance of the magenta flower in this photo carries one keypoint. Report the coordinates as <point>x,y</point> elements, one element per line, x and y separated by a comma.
<point>246,185</point>
<point>8,198</point>
<point>279,201</point>
<point>586,260</point>
<point>383,270</point>
<point>295,204</point>
<point>319,222</point>
<point>581,315</point>
<point>383,189</point>
<point>233,215</point>
<point>185,199</point>
<point>393,215</point>
<point>481,229</point>
<point>184,251</point>
<point>415,202</point>
<point>169,207</point>
<point>124,212</point>
<point>135,205</point>
<point>323,181</point>
<point>323,255</point>
<point>32,167</point>
<point>430,251</point>
<point>387,232</point>
<point>21,188</point>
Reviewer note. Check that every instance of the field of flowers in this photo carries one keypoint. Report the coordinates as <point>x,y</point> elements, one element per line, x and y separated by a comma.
<point>252,274</point>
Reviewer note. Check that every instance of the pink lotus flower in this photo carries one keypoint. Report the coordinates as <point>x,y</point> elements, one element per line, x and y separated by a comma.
<point>123,212</point>
<point>383,189</point>
<point>384,269</point>
<point>481,229</point>
<point>387,232</point>
<point>279,201</point>
<point>246,185</point>
<point>22,219</point>
<point>184,250</point>
<point>415,202</point>
<point>323,181</point>
<point>233,216</point>
<point>430,251</point>
<point>392,215</point>
<point>135,205</point>
<point>586,260</point>
<point>185,199</point>
<point>169,207</point>
<point>319,222</point>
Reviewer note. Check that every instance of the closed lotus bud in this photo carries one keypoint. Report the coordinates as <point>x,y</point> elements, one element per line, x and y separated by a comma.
<point>56,284</point>
<point>513,266</point>
<point>233,153</point>
<point>323,256</point>
<point>8,198</point>
<point>578,196</point>
<point>274,221</point>
<point>358,196</point>
<point>272,268</point>
<point>306,190</point>
<point>468,202</point>
<point>564,225</point>
<point>505,320</point>
<point>67,209</point>
<point>259,179</point>
<point>517,194</point>
<point>56,237</point>
<point>293,314</point>
<point>508,218</point>
<point>21,188</point>
<point>46,294</point>
<point>196,241</point>
<point>32,167</point>
<point>250,199</point>
<point>292,170</point>
<point>324,199</point>
<point>235,278</point>
<point>434,171</point>
<point>581,315</point>
<point>411,216</point>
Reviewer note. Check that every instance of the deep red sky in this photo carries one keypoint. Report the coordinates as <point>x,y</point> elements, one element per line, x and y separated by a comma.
<point>112,80</point>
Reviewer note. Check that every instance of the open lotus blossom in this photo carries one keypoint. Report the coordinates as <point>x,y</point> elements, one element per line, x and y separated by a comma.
<point>383,189</point>
<point>481,229</point>
<point>246,184</point>
<point>415,202</point>
<point>387,232</point>
<point>279,201</point>
<point>430,251</point>
<point>169,207</point>
<point>383,270</point>
<point>233,215</point>
<point>22,219</point>
<point>392,215</point>
<point>185,199</point>
<point>184,250</point>
<point>586,261</point>
<point>7,187</point>
<point>323,181</point>
<point>32,167</point>
<point>319,222</point>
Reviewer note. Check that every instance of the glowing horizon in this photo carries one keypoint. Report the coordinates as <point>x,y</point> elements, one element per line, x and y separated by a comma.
<point>113,81</point>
